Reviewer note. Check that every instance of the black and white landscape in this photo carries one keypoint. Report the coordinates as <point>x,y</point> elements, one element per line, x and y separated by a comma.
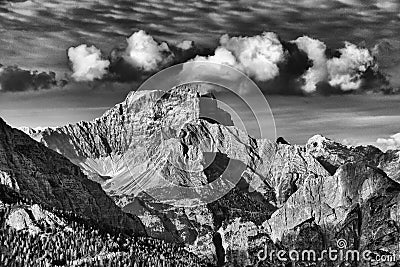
<point>200,133</point>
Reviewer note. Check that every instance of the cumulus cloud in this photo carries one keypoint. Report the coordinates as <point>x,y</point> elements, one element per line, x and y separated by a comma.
<point>288,81</point>
<point>347,70</point>
<point>185,45</point>
<point>393,142</point>
<point>315,51</point>
<point>216,71</point>
<point>302,66</point>
<point>145,53</point>
<point>15,79</point>
<point>221,56</point>
<point>305,65</point>
<point>142,56</point>
<point>87,63</point>
<point>200,21</point>
<point>257,56</point>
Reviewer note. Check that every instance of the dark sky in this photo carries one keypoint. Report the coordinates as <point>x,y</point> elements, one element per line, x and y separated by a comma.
<point>36,34</point>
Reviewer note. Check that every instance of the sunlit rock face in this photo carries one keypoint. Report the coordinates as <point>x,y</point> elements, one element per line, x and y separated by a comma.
<point>390,163</point>
<point>33,218</point>
<point>7,180</point>
<point>332,155</point>
<point>175,134</point>
<point>147,148</point>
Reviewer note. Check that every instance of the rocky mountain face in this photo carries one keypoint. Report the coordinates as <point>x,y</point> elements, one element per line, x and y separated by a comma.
<point>48,178</point>
<point>32,218</point>
<point>193,177</point>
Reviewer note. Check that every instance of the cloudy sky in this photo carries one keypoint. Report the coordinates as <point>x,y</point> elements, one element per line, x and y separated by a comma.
<point>64,61</point>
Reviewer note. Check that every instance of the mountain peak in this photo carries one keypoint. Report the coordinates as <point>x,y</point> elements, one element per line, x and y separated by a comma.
<point>156,144</point>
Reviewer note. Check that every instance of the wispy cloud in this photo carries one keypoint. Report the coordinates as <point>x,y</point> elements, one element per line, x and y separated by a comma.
<point>61,24</point>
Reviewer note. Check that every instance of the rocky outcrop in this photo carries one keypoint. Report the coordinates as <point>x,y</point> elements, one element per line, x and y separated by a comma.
<point>239,238</point>
<point>390,164</point>
<point>328,200</point>
<point>353,205</point>
<point>48,178</point>
<point>332,155</point>
<point>7,180</point>
<point>32,218</point>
